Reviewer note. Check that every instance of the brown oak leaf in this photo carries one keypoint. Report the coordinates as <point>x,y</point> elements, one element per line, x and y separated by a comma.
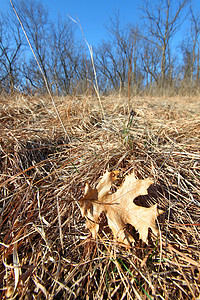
<point>119,207</point>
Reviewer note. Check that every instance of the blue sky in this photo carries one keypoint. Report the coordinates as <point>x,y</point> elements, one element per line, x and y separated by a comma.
<point>94,15</point>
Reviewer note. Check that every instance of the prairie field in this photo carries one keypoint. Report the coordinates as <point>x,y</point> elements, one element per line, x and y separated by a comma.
<point>46,250</point>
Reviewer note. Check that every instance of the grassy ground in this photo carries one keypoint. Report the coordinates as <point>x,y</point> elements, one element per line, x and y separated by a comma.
<point>46,250</point>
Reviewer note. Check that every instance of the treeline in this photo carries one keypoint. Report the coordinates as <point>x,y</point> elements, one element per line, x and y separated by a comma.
<point>132,59</point>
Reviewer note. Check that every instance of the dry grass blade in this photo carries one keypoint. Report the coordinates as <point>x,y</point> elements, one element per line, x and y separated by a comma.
<point>185,278</point>
<point>43,176</point>
<point>96,87</point>
<point>17,269</point>
<point>40,287</point>
<point>60,226</point>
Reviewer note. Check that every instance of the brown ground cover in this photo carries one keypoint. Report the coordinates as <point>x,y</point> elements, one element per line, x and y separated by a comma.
<point>45,249</point>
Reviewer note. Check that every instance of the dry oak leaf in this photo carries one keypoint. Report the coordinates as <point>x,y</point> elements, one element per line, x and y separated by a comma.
<point>119,207</point>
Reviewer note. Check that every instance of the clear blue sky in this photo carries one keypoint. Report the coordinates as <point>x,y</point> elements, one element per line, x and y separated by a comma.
<point>94,15</point>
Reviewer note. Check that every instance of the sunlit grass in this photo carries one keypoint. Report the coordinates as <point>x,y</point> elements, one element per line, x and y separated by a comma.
<point>43,176</point>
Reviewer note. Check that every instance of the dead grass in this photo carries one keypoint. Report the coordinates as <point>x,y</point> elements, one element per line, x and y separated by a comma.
<point>46,251</point>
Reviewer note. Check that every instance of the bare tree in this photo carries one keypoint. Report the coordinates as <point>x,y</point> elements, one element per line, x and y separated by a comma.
<point>190,49</point>
<point>10,51</point>
<point>66,57</point>
<point>195,37</point>
<point>108,66</point>
<point>36,22</point>
<point>162,19</point>
<point>117,58</point>
<point>151,57</point>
